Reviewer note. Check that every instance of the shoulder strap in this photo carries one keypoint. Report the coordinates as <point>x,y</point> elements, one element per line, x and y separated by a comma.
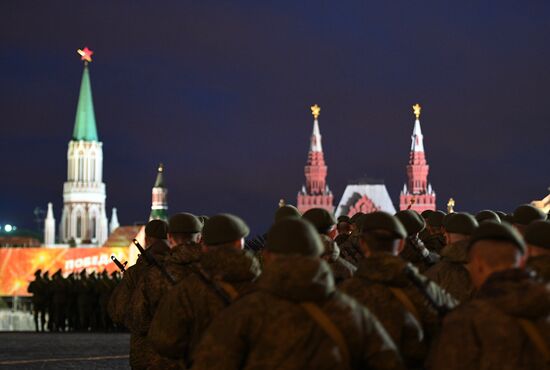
<point>224,294</point>
<point>536,338</point>
<point>330,329</point>
<point>406,302</point>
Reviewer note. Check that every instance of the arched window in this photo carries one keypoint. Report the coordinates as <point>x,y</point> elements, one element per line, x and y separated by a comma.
<point>80,169</point>
<point>78,226</point>
<point>93,225</point>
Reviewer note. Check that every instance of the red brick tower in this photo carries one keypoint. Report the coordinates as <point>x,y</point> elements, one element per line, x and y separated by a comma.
<point>418,193</point>
<point>315,193</point>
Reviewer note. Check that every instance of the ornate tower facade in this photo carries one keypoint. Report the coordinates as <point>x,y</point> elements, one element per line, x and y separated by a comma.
<point>84,219</point>
<point>315,193</point>
<point>417,194</point>
<point>159,202</point>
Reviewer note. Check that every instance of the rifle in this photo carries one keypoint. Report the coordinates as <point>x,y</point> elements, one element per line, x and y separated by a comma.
<point>422,283</point>
<point>151,260</point>
<point>121,266</point>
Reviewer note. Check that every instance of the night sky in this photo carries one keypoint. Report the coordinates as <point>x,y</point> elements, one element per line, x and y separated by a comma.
<point>220,93</point>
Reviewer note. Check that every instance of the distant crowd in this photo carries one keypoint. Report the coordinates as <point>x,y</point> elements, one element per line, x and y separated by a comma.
<point>77,302</point>
<point>412,290</point>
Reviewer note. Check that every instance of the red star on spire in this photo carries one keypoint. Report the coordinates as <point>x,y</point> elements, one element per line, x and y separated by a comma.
<point>85,54</point>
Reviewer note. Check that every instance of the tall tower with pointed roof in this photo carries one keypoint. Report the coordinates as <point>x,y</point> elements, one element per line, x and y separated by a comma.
<point>159,202</point>
<point>315,193</point>
<point>417,194</point>
<point>84,218</point>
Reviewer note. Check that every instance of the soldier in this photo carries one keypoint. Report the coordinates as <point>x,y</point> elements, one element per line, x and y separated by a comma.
<point>225,273</point>
<point>415,251</point>
<point>296,319</point>
<point>325,224</point>
<point>119,307</point>
<point>451,273</point>
<point>537,237</point>
<point>383,285</point>
<point>505,326</point>
<point>59,301</point>
<point>83,301</point>
<point>37,289</point>
<point>48,302</point>
<point>435,240</point>
<point>103,289</point>
<point>487,215</point>
<point>257,243</point>
<point>350,249</point>
<point>524,215</point>
<point>184,235</point>
<point>71,310</point>
<point>344,229</point>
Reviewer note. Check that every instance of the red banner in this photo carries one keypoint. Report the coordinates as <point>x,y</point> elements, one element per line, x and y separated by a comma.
<point>17,265</point>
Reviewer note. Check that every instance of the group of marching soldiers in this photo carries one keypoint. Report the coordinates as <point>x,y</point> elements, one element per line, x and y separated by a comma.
<point>77,302</point>
<point>374,291</point>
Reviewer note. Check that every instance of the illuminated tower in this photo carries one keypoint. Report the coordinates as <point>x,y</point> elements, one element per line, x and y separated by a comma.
<point>49,227</point>
<point>84,219</point>
<point>315,193</point>
<point>159,203</point>
<point>418,193</point>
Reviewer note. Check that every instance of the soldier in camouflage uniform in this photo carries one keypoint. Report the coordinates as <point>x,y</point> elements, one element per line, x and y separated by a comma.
<point>120,309</point>
<point>505,326</point>
<point>451,273</point>
<point>414,250</point>
<point>537,237</point>
<point>350,249</point>
<point>383,284</point>
<point>325,223</point>
<point>435,239</point>
<point>225,272</point>
<point>278,325</point>
<point>184,235</point>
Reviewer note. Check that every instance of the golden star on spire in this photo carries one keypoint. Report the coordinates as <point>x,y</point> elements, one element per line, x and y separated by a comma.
<point>416,109</point>
<point>315,110</point>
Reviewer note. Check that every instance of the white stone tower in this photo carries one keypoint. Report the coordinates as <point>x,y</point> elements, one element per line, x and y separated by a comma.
<point>49,227</point>
<point>84,219</point>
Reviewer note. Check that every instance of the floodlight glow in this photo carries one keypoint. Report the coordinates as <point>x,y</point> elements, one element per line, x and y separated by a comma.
<point>8,228</point>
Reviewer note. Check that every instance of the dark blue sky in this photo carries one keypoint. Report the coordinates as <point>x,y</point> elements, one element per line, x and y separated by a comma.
<point>220,92</point>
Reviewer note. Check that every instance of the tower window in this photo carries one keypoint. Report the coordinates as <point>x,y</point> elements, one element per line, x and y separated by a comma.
<point>79,226</point>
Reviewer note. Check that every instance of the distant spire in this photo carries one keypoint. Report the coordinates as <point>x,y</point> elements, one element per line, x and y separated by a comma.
<point>49,227</point>
<point>159,182</point>
<point>85,126</point>
<point>316,145</point>
<point>159,204</point>
<point>114,224</point>
<point>417,139</point>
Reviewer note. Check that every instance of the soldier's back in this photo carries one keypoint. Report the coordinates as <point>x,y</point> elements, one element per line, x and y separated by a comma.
<point>451,273</point>
<point>270,329</point>
<point>488,332</point>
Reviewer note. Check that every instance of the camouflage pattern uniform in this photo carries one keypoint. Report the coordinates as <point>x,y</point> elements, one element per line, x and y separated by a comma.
<point>350,250</point>
<point>268,329</point>
<point>341,268</point>
<point>372,285</point>
<point>485,333</point>
<point>541,266</point>
<point>435,242</point>
<point>185,312</point>
<point>121,310</point>
<point>416,253</point>
<point>451,273</point>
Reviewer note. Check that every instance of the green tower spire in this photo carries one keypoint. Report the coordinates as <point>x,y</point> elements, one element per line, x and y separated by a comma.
<point>84,125</point>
